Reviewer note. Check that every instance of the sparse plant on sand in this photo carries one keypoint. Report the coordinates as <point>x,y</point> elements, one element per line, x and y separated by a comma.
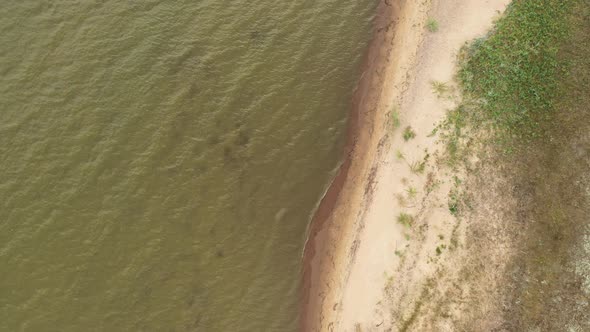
<point>390,280</point>
<point>409,133</point>
<point>395,120</point>
<point>399,155</point>
<point>439,88</point>
<point>401,200</point>
<point>405,219</point>
<point>418,167</point>
<point>432,25</point>
<point>433,132</point>
<point>454,203</point>
<point>412,192</point>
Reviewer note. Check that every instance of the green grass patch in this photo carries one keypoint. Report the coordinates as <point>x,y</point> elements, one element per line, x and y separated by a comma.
<point>511,75</point>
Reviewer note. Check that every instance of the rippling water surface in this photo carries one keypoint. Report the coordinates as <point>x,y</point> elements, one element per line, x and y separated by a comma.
<point>160,160</point>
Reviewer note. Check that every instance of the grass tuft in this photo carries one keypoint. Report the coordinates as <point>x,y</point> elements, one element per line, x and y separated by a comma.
<point>432,25</point>
<point>399,155</point>
<point>412,192</point>
<point>511,75</point>
<point>439,88</point>
<point>408,133</point>
<point>405,219</point>
<point>418,167</point>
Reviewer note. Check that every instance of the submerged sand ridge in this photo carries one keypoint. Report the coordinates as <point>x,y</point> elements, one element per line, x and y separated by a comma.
<point>364,269</point>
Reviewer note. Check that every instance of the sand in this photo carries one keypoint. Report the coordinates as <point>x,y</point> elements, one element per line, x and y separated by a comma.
<point>363,270</point>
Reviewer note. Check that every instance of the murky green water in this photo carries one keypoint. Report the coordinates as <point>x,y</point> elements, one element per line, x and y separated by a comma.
<point>160,160</point>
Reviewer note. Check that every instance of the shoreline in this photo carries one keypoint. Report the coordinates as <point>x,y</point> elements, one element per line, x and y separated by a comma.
<point>355,247</point>
<point>363,115</point>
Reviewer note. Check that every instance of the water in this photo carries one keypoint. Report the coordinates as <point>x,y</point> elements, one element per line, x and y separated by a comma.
<point>161,160</point>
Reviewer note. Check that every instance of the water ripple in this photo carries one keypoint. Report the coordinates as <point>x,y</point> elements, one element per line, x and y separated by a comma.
<point>160,160</point>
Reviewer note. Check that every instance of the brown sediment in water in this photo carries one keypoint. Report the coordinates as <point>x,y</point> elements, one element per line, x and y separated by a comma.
<point>361,141</point>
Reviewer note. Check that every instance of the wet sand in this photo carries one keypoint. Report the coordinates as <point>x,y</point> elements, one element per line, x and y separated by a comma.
<point>365,126</point>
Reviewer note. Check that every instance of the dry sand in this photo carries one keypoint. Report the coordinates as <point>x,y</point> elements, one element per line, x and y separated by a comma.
<point>364,270</point>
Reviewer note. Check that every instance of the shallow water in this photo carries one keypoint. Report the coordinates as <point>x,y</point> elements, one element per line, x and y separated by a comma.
<point>161,160</point>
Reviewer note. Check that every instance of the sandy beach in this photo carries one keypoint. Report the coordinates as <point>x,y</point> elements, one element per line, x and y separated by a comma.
<point>364,270</point>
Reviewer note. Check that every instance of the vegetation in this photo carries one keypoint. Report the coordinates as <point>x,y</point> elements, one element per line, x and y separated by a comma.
<point>405,219</point>
<point>408,133</point>
<point>454,205</point>
<point>510,78</point>
<point>431,183</point>
<point>412,192</point>
<point>399,155</point>
<point>439,88</point>
<point>395,120</point>
<point>440,248</point>
<point>432,25</point>
<point>527,86</point>
<point>401,200</point>
<point>427,290</point>
<point>419,167</point>
<point>454,135</point>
